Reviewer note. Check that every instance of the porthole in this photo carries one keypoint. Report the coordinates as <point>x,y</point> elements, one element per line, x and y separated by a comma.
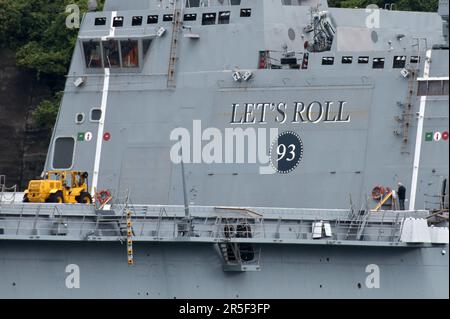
<point>79,118</point>
<point>291,34</point>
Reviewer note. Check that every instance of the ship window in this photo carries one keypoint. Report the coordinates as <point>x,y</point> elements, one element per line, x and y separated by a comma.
<point>378,63</point>
<point>246,13</point>
<point>433,87</point>
<point>208,18</point>
<point>145,46</point>
<point>305,61</point>
<point>445,87</point>
<point>118,22</point>
<point>111,54</point>
<point>363,60</point>
<point>152,19</point>
<point>136,20</point>
<point>224,17</point>
<point>190,17</point>
<point>168,17</point>
<point>96,115</point>
<point>130,57</point>
<point>100,21</point>
<point>347,60</point>
<point>79,118</point>
<point>414,59</point>
<point>235,2</point>
<point>92,54</point>
<point>192,3</point>
<point>399,62</point>
<point>63,152</point>
<point>327,60</point>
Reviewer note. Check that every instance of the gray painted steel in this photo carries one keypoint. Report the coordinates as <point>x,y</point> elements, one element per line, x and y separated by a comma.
<point>340,159</point>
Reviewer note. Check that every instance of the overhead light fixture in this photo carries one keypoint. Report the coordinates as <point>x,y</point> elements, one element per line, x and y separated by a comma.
<point>404,72</point>
<point>247,75</point>
<point>160,32</point>
<point>237,76</point>
<point>78,82</point>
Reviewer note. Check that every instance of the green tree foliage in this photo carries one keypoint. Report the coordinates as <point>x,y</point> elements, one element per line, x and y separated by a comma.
<point>406,5</point>
<point>36,30</point>
<point>44,116</point>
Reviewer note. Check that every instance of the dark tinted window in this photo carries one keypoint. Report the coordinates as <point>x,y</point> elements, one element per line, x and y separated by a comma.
<point>130,53</point>
<point>208,18</point>
<point>224,17</point>
<point>111,54</point>
<point>100,21</point>
<point>137,20</point>
<point>63,152</point>
<point>146,45</point>
<point>192,3</point>
<point>327,61</point>
<point>378,63</point>
<point>246,13</point>
<point>414,59</point>
<point>433,87</point>
<point>347,60</point>
<point>399,62</point>
<point>190,17</point>
<point>152,19</point>
<point>96,114</point>
<point>363,60</point>
<point>118,22</point>
<point>92,54</point>
<point>168,17</point>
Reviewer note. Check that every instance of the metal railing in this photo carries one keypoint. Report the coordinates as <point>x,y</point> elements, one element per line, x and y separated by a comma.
<point>7,194</point>
<point>48,220</point>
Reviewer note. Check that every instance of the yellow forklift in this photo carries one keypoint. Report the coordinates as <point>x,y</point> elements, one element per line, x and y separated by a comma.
<point>59,187</point>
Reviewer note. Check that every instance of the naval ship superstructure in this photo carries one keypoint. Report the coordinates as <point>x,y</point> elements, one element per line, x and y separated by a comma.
<point>158,91</point>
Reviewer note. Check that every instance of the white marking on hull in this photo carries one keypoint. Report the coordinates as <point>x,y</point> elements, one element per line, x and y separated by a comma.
<point>418,147</point>
<point>101,124</point>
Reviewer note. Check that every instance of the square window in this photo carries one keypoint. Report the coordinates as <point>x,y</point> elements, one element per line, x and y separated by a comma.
<point>378,63</point>
<point>399,62</point>
<point>168,17</point>
<point>363,60</point>
<point>192,3</point>
<point>414,59</point>
<point>118,22</point>
<point>152,19</point>
<point>100,21</point>
<point>209,18</point>
<point>347,60</point>
<point>137,20</point>
<point>190,17</point>
<point>245,13</point>
<point>224,17</point>
<point>327,60</point>
<point>96,115</point>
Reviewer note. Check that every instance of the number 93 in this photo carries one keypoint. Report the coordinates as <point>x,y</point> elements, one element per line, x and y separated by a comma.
<point>282,151</point>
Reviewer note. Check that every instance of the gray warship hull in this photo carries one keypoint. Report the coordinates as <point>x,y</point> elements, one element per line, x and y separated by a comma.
<point>153,90</point>
<point>190,270</point>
